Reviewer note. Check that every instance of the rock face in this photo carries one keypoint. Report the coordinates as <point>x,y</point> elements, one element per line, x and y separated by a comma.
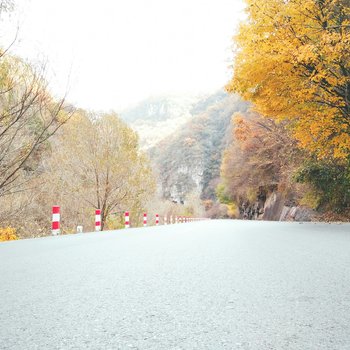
<point>298,214</point>
<point>273,208</point>
<point>182,182</point>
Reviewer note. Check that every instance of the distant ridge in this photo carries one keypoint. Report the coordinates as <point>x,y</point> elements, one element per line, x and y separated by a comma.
<point>158,117</point>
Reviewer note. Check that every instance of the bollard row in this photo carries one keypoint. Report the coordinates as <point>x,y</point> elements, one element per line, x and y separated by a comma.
<point>56,219</point>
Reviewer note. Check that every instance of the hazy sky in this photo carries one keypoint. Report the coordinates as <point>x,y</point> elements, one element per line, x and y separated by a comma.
<point>115,53</point>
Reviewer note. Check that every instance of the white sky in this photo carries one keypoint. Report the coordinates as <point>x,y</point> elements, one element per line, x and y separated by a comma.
<point>116,53</point>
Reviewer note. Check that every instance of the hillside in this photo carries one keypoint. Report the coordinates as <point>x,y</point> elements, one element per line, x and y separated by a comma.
<point>158,117</point>
<point>189,160</point>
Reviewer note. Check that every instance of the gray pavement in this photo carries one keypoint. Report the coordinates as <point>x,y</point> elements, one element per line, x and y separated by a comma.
<point>206,285</point>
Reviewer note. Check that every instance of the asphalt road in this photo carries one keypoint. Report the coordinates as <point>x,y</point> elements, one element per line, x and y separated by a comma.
<point>206,285</point>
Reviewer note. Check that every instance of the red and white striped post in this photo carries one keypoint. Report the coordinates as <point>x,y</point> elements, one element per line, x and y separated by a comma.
<point>56,218</point>
<point>127,219</point>
<point>157,219</point>
<point>144,219</point>
<point>98,220</point>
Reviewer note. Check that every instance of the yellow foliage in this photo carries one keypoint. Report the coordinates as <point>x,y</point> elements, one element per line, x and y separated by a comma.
<point>252,195</point>
<point>8,234</point>
<point>99,161</point>
<point>293,62</point>
<point>115,222</point>
<point>311,199</point>
<point>232,210</point>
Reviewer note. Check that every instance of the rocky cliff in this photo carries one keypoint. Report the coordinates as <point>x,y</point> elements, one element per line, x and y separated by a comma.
<point>273,205</point>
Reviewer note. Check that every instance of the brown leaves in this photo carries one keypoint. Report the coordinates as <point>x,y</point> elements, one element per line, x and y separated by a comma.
<point>262,153</point>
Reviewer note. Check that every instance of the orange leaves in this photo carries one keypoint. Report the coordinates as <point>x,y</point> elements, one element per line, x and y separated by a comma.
<point>8,234</point>
<point>242,129</point>
<point>262,153</point>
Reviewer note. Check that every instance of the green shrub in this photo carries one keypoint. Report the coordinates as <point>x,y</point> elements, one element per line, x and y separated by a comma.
<point>330,182</point>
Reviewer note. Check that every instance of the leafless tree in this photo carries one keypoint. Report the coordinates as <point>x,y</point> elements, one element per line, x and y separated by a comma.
<point>29,116</point>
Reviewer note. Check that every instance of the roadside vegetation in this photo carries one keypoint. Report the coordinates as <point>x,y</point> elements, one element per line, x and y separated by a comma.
<point>51,153</point>
<point>292,62</point>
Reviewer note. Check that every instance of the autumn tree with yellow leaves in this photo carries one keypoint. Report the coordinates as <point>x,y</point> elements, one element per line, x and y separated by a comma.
<point>97,164</point>
<point>293,62</point>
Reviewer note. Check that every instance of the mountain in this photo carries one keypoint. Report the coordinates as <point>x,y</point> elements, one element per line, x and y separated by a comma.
<point>158,117</point>
<point>185,137</point>
<point>189,159</point>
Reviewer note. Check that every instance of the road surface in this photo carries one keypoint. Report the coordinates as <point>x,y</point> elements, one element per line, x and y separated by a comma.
<point>205,285</point>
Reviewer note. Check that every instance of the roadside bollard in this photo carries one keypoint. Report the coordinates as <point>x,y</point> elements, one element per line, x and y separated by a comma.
<point>98,220</point>
<point>56,217</point>
<point>157,219</point>
<point>127,219</point>
<point>144,220</point>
